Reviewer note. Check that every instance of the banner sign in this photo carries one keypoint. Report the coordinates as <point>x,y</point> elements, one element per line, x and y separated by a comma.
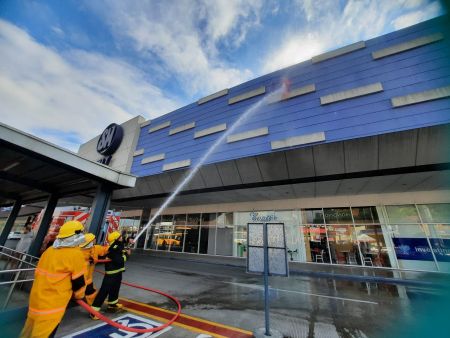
<point>419,249</point>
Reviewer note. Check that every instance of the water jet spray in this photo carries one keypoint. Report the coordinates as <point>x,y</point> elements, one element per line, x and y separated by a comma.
<point>274,96</point>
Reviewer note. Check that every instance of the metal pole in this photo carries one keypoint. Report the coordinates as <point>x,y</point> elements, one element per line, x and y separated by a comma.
<point>266,279</point>
<point>10,221</point>
<point>44,225</point>
<point>11,289</point>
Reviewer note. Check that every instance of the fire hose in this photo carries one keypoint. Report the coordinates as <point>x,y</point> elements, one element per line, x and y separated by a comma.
<point>126,328</point>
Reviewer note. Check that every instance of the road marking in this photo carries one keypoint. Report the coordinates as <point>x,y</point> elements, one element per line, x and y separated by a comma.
<point>259,287</point>
<point>199,325</point>
<point>130,320</point>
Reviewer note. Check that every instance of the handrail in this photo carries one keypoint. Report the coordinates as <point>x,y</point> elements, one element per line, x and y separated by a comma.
<point>14,282</point>
<point>17,259</point>
<point>16,270</point>
<point>19,252</point>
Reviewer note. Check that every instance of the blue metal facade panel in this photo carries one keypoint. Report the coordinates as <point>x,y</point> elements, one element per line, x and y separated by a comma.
<point>423,68</point>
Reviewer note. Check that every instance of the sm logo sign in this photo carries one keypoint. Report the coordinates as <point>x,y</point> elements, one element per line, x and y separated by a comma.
<point>110,139</point>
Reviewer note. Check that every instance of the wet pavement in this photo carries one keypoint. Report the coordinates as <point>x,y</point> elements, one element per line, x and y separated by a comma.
<point>300,306</point>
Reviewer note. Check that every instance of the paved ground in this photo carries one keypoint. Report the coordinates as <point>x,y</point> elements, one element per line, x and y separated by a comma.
<point>301,306</point>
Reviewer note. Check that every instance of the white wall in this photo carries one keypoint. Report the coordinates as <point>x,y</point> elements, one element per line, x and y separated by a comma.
<point>122,159</point>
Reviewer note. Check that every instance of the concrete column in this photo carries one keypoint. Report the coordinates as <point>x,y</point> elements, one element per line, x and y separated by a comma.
<point>44,225</point>
<point>145,217</point>
<point>10,221</point>
<point>98,211</point>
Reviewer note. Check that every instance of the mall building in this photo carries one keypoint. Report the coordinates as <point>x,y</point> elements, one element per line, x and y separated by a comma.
<point>353,157</point>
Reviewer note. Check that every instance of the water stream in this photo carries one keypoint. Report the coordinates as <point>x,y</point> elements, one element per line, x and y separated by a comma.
<point>274,96</point>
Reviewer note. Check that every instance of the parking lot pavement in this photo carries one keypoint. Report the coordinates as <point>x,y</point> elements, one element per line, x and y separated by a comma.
<point>300,306</point>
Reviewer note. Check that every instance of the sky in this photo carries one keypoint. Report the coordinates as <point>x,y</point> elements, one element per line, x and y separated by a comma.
<point>70,68</point>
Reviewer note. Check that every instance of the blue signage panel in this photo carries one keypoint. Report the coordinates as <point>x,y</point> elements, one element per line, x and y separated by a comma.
<point>419,249</point>
<point>130,320</point>
<point>441,249</point>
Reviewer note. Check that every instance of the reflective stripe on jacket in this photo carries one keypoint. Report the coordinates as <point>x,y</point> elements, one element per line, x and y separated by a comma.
<point>52,286</point>
<point>117,256</point>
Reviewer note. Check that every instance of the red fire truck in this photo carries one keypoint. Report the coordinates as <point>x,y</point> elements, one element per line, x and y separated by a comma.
<point>60,217</point>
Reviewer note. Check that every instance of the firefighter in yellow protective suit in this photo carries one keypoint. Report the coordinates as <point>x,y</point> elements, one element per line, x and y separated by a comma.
<point>59,276</point>
<point>91,253</point>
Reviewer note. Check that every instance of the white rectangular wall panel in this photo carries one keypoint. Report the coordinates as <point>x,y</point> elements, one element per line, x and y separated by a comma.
<point>295,92</point>
<point>428,95</point>
<point>338,52</point>
<point>159,127</point>
<point>211,130</point>
<point>175,165</point>
<point>298,140</point>
<point>182,128</point>
<point>153,158</point>
<point>146,123</point>
<point>138,152</point>
<point>247,95</point>
<point>425,40</point>
<point>213,96</point>
<point>248,134</point>
<point>352,93</point>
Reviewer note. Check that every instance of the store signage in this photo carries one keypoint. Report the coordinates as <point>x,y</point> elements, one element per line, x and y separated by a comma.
<point>419,249</point>
<point>109,141</point>
<point>257,217</point>
<point>130,320</point>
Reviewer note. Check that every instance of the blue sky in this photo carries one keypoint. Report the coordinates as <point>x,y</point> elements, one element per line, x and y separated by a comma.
<point>70,68</point>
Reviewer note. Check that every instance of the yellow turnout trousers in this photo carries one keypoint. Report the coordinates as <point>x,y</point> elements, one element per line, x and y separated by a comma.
<point>39,327</point>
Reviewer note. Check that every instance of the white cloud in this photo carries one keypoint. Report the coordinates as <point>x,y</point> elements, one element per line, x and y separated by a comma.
<point>292,51</point>
<point>327,26</point>
<point>77,93</point>
<point>58,31</point>
<point>409,19</point>
<point>184,37</point>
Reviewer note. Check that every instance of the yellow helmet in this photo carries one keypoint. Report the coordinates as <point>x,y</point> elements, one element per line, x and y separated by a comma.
<point>88,238</point>
<point>70,228</point>
<point>113,236</point>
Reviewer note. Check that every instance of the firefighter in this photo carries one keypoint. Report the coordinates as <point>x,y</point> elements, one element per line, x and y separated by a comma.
<point>91,253</point>
<point>59,276</point>
<point>113,274</point>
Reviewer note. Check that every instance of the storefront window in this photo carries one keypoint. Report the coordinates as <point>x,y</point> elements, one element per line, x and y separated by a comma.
<point>373,245</point>
<point>176,239</point>
<point>316,243</point>
<point>207,240</point>
<point>191,240</point>
<point>240,241</point>
<point>312,216</point>
<point>402,214</point>
<point>434,213</point>
<point>179,219</point>
<point>209,218</point>
<point>165,232</point>
<point>193,219</point>
<point>224,243</point>
<point>343,244</point>
<point>167,220</point>
<point>337,215</point>
<point>411,247</point>
<point>150,242</point>
<point>225,218</point>
<point>439,235</point>
<point>152,233</point>
<point>364,215</point>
